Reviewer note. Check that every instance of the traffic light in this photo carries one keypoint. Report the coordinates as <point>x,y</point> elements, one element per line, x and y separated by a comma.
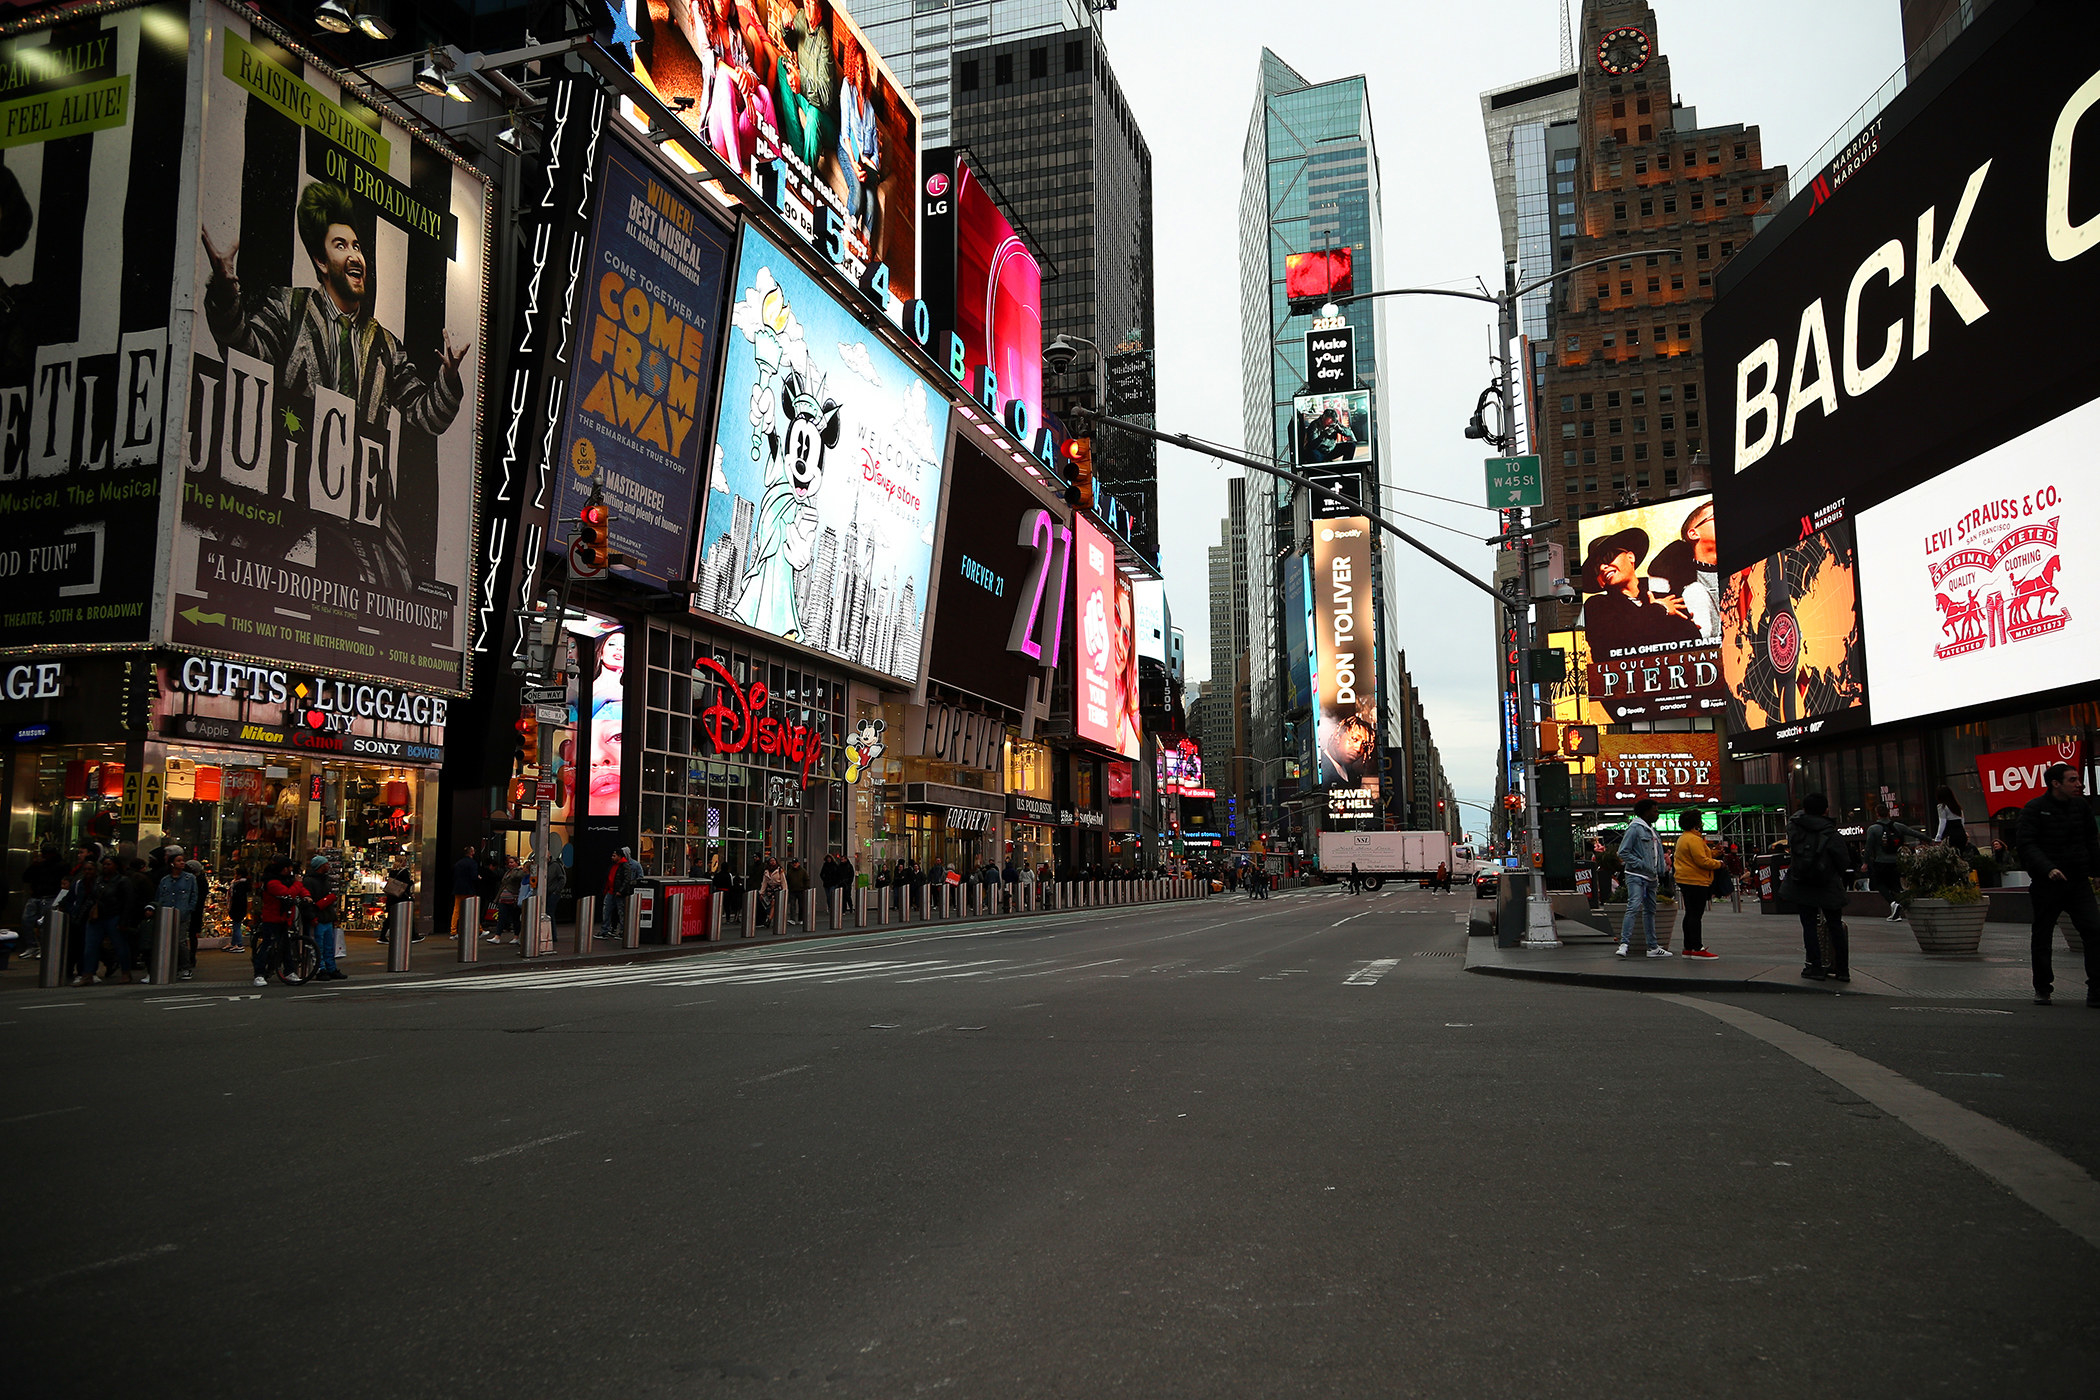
<point>528,728</point>
<point>1549,736</point>
<point>1079,469</point>
<point>592,539</point>
<point>1579,740</point>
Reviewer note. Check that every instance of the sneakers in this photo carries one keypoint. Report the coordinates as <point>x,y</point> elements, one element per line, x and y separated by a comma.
<point>262,981</point>
<point>185,975</point>
<point>1700,953</point>
<point>1813,973</point>
<point>2041,998</point>
<point>1622,950</point>
<point>1658,952</point>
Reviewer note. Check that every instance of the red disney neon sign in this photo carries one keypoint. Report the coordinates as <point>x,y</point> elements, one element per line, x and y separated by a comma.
<point>735,728</point>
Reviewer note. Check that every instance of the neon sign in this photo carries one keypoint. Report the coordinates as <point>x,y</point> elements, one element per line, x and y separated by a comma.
<point>738,727</point>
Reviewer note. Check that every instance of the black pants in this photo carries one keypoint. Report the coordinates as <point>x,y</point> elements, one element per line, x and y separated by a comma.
<point>1693,898</point>
<point>1840,946</point>
<point>2072,895</point>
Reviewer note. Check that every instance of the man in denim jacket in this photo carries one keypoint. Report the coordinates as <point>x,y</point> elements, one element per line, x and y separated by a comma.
<point>1640,854</point>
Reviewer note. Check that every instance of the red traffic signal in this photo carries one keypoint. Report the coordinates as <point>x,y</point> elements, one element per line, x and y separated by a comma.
<point>528,728</point>
<point>592,542</point>
<point>1079,468</point>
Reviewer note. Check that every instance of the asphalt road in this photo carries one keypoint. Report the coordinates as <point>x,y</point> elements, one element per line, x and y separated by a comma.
<point>1217,1149</point>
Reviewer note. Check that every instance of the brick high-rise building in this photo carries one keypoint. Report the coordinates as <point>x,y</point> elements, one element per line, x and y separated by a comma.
<point>1623,391</point>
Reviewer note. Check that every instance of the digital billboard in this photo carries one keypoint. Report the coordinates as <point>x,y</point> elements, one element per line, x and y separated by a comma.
<point>1150,597</point>
<point>980,283</point>
<point>608,727</point>
<point>1344,654</point>
<point>1297,627</point>
<point>1330,360</point>
<point>89,242</point>
<point>1666,767</point>
<point>1906,311</point>
<point>335,376</point>
<point>1330,428</point>
<point>826,476</point>
<point>1005,570</point>
<point>650,331</point>
<point>1984,582</point>
<point>1793,654</point>
<point>792,96</point>
<point>1309,279</point>
<point>1652,610</point>
<point>1105,627</point>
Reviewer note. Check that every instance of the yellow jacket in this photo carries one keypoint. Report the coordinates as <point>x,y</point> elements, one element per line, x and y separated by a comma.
<point>1695,861</point>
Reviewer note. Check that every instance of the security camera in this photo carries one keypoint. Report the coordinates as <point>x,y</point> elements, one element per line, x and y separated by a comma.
<point>1059,354</point>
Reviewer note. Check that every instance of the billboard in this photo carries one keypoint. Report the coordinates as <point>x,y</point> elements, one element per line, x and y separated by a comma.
<point>1330,360</point>
<point>1652,614</point>
<point>1150,596</point>
<point>2013,779</point>
<point>1331,428</point>
<point>1666,767</point>
<point>608,721</point>
<point>1568,698</point>
<point>1006,563</point>
<point>1793,656</point>
<point>1344,654</point>
<point>981,284</point>
<point>1297,630</point>
<point>826,475</point>
<point>650,327</point>
<point>335,376</point>
<point>1984,582</point>
<point>89,241</point>
<point>1104,617</point>
<point>792,96</point>
<point>1309,279</point>
<point>1906,312</point>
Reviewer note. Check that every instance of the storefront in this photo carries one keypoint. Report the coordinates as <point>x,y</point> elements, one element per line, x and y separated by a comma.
<point>1031,822</point>
<point>240,763</point>
<point>740,756</point>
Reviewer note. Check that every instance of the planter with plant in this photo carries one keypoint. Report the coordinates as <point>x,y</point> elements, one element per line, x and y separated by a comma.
<point>1945,908</point>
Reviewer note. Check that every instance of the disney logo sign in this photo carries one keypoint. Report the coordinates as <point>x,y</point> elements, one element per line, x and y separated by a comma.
<point>735,724</point>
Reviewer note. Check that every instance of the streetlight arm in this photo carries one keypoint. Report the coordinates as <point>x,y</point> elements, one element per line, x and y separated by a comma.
<point>1495,300</point>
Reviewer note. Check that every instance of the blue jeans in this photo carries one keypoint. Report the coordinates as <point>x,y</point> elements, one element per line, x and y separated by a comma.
<point>91,955</point>
<point>324,944</point>
<point>1640,900</point>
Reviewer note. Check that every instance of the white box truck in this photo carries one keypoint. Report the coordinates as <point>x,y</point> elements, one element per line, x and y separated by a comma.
<point>1384,855</point>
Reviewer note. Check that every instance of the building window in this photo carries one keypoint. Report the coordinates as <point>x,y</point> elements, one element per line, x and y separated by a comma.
<point>1704,250</point>
<point>1589,456</point>
<point>1589,427</point>
<point>1640,454</point>
<point>1647,132</point>
<point>1706,279</point>
<point>1655,284</point>
<point>1766,191</point>
<point>1640,481</point>
<point>1618,212</point>
<point>1618,453</point>
<point>1691,445</point>
<point>1618,109</point>
<point>1669,476</point>
<point>1742,150</point>
<point>1720,198</point>
<point>1639,397</point>
<point>1691,417</point>
<point>1641,107</point>
<point>1691,391</point>
<point>1610,341</point>
<point>1668,422</point>
<point>1073,58</point>
<point>1670,204</point>
<point>1626,289</point>
<point>1611,398</point>
<point>1698,201</point>
<point>1684,330</point>
<point>1666,394</point>
<point>1727,250</point>
<point>1567,403</point>
<point>1574,342</point>
<point>1616,426</point>
<point>1039,63</point>
<point>1567,458</point>
<point>1640,425</point>
<point>1003,69</point>
<point>1713,155</point>
<point>1567,430</point>
<point>969,75</point>
<point>1589,483</point>
<point>1640,167</point>
<point>1618,134</point>
<point>1677,282</point>
<point>1573,486</point>
<point>1647,208</point>
<point>1669,448</point>
<point>1603,291</point>
<point>1618,486</point>
<point>1662,161</point>
<point>1588,402</point>
<point>1633,335</point>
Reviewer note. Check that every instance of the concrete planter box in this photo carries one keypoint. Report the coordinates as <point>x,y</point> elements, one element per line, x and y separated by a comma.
<point>1665,923</point>
<point>1946,930</point>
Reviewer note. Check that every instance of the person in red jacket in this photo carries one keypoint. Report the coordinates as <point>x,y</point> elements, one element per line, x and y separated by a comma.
<point>327,905</point>
<point>278,906</point>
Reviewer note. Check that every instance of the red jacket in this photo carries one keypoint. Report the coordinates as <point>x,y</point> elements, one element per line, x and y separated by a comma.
<point>271,908</point>
<point>612,873</point>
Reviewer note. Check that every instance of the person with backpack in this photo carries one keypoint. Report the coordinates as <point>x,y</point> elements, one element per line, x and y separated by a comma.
<point>620,880</point>
<point>1885,838</point>
<point>1697,870</point>
<point>325,902</point>
<point>1640,852</point>
<point>1820,868</point>
<point>274,914</point>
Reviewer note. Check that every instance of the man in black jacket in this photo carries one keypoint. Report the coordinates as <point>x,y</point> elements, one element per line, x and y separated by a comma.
<point>2060,848</point>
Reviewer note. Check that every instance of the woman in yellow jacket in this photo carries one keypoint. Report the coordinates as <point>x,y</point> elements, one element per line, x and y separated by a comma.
<point>1694,866</point>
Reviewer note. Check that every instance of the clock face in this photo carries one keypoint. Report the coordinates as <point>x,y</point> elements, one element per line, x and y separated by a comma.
<point>1623,51</point>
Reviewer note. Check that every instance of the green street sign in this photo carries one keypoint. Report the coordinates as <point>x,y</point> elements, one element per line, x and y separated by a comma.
<point>1515,481</point>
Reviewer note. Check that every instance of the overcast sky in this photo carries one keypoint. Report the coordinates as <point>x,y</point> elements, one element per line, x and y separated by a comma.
<point>1798,68</point>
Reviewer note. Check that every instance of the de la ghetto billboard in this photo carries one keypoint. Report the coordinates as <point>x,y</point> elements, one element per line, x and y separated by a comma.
<point>650,329</point>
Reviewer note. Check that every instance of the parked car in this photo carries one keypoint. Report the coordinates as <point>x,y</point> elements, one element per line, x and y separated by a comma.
<point>1486,881</point>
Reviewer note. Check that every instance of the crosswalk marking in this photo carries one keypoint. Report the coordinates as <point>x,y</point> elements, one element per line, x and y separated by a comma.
<point>1370,972</point>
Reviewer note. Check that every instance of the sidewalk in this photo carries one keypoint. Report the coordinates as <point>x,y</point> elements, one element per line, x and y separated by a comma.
<point>1762,952</point>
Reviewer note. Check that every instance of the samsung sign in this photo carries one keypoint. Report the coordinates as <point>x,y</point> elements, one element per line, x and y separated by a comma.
<point>1926,310</point>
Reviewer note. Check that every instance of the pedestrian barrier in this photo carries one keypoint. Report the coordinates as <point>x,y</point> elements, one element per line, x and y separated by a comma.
<point>631,921</point>
<point>674,919</point>
<point>586,923</point>
<point>469,929</point>
<point>401,933</point>
<point>780,915</point>
<point>749,916</point>
<point>528,928</point>
<point>837,900</point>
<point>860,906</point>
<point>53,971</point>
<point>714,916</point>
<point>167,933</point>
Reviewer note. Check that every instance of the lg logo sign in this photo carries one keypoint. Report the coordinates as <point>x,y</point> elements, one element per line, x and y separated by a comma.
<point>37,682</point>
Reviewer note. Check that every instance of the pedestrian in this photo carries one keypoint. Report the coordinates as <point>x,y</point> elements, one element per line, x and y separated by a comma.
<point>466,885</point>
<point>399,890</point>
<point>1952,830</point>
<point>1819,869</point>
<point>2061,851</point>
<point>107,893</point>
<point>620,879</point>
<point>772,886</point>
<point>1640,855</point>
<point>1356,879</point>
<point>1733,859</point>
<point>1442,884</point>
<point>181,889</point>
<point>275,911</point>
<point>326,904</point>
<point>1697,869</point>
<point>44,881</point>
<point>1885,838</point>
<point>510,889</point>
<point>237,902</point>
<point>798,895</point>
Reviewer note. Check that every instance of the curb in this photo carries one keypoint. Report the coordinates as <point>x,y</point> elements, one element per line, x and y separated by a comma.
<point>1628,983</point>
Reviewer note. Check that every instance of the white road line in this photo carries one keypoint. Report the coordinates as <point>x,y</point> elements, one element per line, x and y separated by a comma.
<point>1339,922</point>
<point>1370,972</point>
<point>1048,971</point>
<point>47,1113</point>
<point>522,1147</point>
<point>95,1268</point>
<point>2054,1185</point>
<point>776,1074</point>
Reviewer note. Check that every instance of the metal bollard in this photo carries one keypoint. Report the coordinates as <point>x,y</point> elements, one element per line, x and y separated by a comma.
<point>907,905</point>
<point>860,906</point>
<point>468,927</point>
<point>882,906</point>
<point>836,898</point>
<point>528,928</point>
<point>586,922</point>
<point>631,920</point>
<point>674,920</point>
<point>167,935</point>
<point>780,914</point>
<point>715,916</point>
<point>53,971</point>
<point>401,932</point>
<point>750,915</point>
